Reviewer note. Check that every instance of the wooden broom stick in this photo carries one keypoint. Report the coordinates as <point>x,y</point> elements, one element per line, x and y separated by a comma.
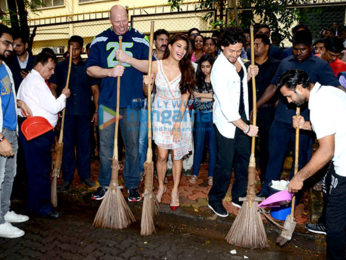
<point>114,212</point>
<point>60,144</point>
<point>149,209</point>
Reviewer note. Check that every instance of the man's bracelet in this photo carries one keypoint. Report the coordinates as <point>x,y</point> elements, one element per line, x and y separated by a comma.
<point>2,139</point>
<point>247,130</point>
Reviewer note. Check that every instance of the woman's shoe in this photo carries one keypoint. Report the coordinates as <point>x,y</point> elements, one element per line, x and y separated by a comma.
<point>159,193</point>
<point>174,201</point>
<point>210,181</point>
<point>193,179</point>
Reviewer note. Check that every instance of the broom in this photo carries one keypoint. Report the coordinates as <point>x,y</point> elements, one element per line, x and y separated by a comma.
<point>247,229</point>
<point>60,145</point>
<point>114,212</point>
<point>149,206</point>
<point>290,223</point>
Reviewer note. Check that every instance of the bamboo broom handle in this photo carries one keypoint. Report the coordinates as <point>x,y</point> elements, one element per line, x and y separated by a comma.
<point>151,39</point>
<point>254,96</point>
<point>66,86</point>
<point>251,190</point>
<point>296,159</point>
<point>117,115</point>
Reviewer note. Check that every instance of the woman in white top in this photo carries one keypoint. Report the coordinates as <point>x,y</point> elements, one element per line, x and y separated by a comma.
<point>175,78</point>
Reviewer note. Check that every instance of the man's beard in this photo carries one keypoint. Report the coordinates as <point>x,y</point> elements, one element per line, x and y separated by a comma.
<point>3,57</point>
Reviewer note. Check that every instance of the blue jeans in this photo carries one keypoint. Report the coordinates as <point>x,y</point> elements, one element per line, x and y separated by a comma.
<point>76,134</point>
<point>143,138</point>
<point>8,167</point>
<point>203,127</point>
<point>282,139</point>
<point>129,127</point>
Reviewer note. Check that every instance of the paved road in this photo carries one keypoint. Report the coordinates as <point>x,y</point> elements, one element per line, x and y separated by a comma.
<point>73,237</point>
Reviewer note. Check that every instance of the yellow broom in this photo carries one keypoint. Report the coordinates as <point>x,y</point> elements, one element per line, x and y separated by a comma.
<point>149,208</point>
<point>248,229</point>
<point>60,144</point>
<point>114,212</point>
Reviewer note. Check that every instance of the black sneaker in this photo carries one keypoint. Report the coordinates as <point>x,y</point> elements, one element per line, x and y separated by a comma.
<point>318,228</point>
<point>134,195</point>
<point>219,210</point>
<point>99,193</point>
<point>237,203</point>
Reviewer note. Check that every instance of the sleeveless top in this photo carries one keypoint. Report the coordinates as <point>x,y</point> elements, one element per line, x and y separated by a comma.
<point>166,111</point>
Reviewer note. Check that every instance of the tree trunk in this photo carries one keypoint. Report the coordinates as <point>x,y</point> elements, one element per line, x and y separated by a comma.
<point>12,7</point>
<point>23,16</point>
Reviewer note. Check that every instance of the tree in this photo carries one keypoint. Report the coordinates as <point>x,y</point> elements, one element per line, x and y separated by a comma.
<point>277,14</point>
<point>18,17</point>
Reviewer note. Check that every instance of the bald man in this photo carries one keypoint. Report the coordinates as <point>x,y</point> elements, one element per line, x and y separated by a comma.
<point>102,64</point>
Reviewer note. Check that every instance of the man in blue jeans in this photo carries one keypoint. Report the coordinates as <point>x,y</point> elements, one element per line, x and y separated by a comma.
<point>102,64</point>
<point>8,139</point>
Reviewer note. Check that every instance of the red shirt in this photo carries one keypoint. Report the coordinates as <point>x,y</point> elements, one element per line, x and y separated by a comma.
<point>338,66</point>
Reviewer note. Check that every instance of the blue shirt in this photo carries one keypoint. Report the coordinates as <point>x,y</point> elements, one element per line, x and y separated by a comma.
<point>80,85</point>
<point>318,71</point>
<point>102,54</point>
<point>7,100</point>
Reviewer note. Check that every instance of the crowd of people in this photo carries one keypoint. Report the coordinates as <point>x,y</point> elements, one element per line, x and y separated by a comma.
<point>202,96</point>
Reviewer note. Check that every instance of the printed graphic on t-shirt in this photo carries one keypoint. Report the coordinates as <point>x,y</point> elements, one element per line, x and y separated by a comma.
<point>6,87</point>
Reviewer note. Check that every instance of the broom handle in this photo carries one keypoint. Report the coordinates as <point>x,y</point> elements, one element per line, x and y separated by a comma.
<point>254,97</point>
<point>66,86</point>
<point>116,129</point>
<point>149,150</point>
<point>251,189</point>
<point>296,159</point>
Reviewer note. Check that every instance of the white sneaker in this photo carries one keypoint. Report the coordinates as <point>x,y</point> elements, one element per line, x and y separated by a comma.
<point>9,231</point>
<point>13,217</point>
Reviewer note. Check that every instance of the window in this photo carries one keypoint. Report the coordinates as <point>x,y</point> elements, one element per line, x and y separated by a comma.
<point>52,3</point>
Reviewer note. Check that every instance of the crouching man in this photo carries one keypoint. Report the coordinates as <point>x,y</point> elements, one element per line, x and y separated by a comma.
<point>327,106</point>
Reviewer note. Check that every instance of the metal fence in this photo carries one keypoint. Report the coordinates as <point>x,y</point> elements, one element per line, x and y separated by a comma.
<point>55,31</point>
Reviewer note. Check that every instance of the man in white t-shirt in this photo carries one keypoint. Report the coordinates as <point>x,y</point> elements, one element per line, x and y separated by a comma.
<point>327,107</point>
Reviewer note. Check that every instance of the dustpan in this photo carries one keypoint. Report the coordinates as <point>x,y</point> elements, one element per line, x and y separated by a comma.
<point>277,199</point>
<point>35,126</point>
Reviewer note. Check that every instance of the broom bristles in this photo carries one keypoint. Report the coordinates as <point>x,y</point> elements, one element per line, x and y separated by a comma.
<point>150,205</point>
<point>148,212</point>
<point>247,229</point>
<point>113,213</point>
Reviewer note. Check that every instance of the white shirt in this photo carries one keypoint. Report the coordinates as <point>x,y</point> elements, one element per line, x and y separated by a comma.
<point>22,65</point>
<point>327,106</point>
<point>226,87</point>
<point>36,94</point>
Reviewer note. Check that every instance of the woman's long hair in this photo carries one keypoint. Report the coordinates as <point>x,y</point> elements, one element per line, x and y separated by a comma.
<point>188,79</point>
<point>199,73</point>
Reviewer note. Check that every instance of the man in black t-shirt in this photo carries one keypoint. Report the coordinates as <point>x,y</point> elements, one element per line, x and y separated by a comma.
<point>265,115</point>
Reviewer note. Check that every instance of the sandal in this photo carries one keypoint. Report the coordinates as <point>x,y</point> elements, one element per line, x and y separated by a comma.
<point>159,193</point>
<point>193,179</point>
<point>174,201</point>
<point>210,181</point>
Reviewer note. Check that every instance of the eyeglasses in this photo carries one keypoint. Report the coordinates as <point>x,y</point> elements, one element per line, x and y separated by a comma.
<point>7,43</point>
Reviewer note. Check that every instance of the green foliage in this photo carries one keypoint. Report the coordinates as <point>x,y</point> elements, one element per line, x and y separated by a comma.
<point>277,14</point>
